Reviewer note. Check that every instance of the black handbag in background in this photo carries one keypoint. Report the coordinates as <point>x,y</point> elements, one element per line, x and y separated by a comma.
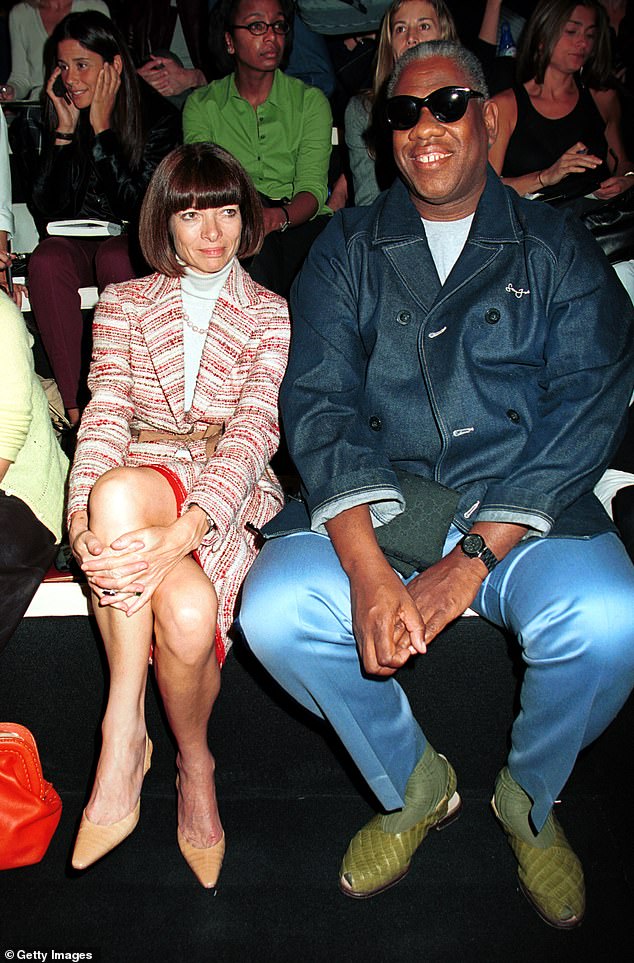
<point>612,226</point>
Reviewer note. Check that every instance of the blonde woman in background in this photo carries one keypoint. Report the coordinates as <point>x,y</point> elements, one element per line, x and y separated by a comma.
<point>405,24</point>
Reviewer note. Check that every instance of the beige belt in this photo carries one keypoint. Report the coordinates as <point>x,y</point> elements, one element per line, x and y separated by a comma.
<point>212,435</point>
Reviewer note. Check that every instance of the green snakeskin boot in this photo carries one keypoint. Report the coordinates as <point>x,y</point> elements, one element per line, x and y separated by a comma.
<point>380,854</point>
<point>549,873</point>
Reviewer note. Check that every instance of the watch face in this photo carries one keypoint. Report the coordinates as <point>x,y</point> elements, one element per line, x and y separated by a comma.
<point>472,545</point>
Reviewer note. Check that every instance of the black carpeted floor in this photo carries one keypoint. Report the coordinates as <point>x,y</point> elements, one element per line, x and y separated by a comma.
<point>290,804</point>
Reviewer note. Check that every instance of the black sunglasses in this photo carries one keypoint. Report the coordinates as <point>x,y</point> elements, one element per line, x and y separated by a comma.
<point>259,27</point>
<point>447,104</point>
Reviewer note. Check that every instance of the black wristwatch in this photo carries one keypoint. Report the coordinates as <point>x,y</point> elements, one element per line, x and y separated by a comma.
<point>474,546</point>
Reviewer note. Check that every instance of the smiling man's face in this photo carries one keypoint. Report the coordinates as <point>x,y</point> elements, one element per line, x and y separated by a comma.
<point>443,165</point>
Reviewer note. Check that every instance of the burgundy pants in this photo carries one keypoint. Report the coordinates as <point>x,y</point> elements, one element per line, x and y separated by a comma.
<point>57,268</point>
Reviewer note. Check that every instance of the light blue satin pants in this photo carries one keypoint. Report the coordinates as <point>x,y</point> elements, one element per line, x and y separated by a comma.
<point>570,602</point>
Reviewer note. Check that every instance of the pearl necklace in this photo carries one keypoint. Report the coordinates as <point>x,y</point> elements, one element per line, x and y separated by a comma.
<point>192,326</point>
<point>202,291</point>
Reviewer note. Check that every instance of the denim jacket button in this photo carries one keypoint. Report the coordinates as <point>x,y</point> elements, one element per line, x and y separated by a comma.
<point>492,316</point>
<point>513,415</point>
<point>404,317</point>
<point>375,423</point>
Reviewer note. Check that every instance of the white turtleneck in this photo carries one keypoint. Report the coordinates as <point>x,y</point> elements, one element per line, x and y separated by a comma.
<point>199,293</point>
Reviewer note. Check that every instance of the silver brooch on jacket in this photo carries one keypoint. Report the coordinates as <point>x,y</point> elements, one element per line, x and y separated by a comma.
<point>518,292</point>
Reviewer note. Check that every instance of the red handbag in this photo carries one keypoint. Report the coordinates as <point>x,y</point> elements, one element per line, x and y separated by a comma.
<point>30,808</point>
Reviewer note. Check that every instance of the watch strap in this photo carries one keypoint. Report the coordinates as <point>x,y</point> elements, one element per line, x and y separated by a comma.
<point>489,559</point>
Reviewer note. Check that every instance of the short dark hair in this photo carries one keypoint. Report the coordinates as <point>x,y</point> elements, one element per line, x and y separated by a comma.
<point>199,176</point>
<point>221,20</point>
<point>543,30</point>
<point>466,61</point>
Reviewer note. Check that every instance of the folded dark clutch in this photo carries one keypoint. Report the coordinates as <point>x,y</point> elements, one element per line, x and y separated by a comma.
<point>412,541</point>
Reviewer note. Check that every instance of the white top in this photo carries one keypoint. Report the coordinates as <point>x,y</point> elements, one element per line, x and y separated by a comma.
<point>178,45</point>
<point>446,240</point>
<point>6,208</point>
<point>28,36</point>
<point>199,293</point>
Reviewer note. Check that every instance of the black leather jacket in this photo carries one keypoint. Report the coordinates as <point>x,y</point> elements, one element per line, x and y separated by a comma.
<point>148,26</point>
<point>92,178</point>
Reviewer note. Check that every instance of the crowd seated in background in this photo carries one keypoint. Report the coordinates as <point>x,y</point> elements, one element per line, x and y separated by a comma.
<point>171,479</point>
<point>30,25</point>
<point>105,132</point>
<point>33,473</point>
<point>278,128</point>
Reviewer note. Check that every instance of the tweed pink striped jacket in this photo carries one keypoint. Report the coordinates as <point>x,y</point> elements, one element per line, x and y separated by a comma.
<point>137,382</point>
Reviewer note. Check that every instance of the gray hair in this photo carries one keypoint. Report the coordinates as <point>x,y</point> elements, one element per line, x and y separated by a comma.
<point>462,58</point>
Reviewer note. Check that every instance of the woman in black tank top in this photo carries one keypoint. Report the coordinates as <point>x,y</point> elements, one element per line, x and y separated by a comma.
<point>560,135</point>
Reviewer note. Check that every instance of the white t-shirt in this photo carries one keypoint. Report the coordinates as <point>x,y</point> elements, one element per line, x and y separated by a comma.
<point>446,240</point>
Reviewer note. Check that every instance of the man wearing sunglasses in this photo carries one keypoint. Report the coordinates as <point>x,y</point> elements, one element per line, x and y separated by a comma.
<point>482,341</point>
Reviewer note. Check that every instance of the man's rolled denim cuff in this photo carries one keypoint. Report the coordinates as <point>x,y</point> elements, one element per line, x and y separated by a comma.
<point>538,524</point>
<point>384,504</point>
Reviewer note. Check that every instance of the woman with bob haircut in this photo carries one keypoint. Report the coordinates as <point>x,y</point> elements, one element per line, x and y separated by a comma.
<point>105,132</point>
<point>405,24</point>
<point>559,127</point>
<point>171,478</point>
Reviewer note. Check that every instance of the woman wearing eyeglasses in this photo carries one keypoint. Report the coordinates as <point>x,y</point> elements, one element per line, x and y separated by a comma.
<point>278,127</point>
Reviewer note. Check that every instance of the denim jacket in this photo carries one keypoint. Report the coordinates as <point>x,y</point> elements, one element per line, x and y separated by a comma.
<point>509,382</point>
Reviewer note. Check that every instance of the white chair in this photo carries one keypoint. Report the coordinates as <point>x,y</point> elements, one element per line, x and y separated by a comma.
<point>25,239</point>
